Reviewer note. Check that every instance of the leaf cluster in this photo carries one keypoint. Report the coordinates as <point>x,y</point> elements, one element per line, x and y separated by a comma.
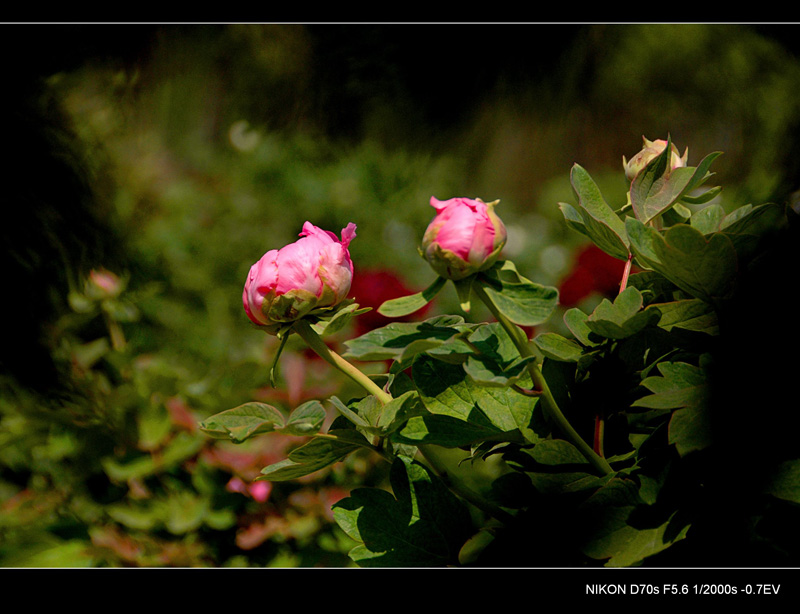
<point>631,378</point>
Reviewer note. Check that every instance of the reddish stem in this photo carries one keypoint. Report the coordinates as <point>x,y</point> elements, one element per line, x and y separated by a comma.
<point>624,283</point>
<point>598,435</point>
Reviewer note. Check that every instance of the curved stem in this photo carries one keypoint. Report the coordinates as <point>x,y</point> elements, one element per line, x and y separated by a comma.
<point>315,342</point>
<point>553,410</point>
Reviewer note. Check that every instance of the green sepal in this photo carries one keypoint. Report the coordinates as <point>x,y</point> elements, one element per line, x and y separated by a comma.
<point>464,292</point>
<point>655,189</point>
<point>332,320</point>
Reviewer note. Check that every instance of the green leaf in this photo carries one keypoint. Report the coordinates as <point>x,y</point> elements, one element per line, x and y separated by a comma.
<point>594,217</point>
<point>524,303</point>
<point>446,389</point>
<point>748,226</point>
<point>317,454</point>
<point>243,422</point>
<point>575,320</point>
<point>406,305</point>
<point>422,525</point>
<point>554,346</point>
<point>390,341</point>
<point>495,360</point>
<point>681,387</point>
<point>708,219</point>
<point>352,415</point>
<point>622,318</point>
<point>399,410</point>
<point>704,267</point>
<point>689,314</point>
<point>606,523</point>
<point>306,419</point>
<point>617,539</point>
<point>561,468</point>
<point>450,432</point>
<point>784,483</point>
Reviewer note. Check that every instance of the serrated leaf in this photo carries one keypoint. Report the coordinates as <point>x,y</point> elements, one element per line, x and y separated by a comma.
<point>243,422</point>
<point>421,525</point>
<point>681,387</point>
<point>406,305</point>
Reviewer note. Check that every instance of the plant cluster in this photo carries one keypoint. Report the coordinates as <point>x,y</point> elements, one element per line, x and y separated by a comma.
<point>603,446</point>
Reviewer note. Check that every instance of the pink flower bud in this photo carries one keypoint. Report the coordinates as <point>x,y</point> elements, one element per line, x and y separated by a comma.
<point>651,150</point>
<point>465,237</point>
<point>103,284</point>
<point>313,272</point>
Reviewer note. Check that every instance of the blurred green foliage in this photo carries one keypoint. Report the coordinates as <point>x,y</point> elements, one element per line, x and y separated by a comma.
<point>217,142</point>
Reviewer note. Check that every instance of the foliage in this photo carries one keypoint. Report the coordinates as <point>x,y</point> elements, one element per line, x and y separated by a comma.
<point>632,377</point>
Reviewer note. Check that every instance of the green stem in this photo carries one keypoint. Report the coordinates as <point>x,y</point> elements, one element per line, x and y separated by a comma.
<point>315,342</point>
<point>550,404</point>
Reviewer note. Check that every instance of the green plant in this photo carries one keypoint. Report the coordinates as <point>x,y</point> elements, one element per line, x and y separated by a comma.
<point>597,448</point>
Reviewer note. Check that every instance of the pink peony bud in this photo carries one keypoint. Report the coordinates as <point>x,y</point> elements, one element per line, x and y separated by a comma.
<point>313,272</point>
<point>651,150</point>
<point>103,284</point>
<point>465,237</point>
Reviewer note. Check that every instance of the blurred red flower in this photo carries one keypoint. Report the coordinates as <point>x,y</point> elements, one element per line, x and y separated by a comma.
<point>594,271</point>
<point>370,288</point>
